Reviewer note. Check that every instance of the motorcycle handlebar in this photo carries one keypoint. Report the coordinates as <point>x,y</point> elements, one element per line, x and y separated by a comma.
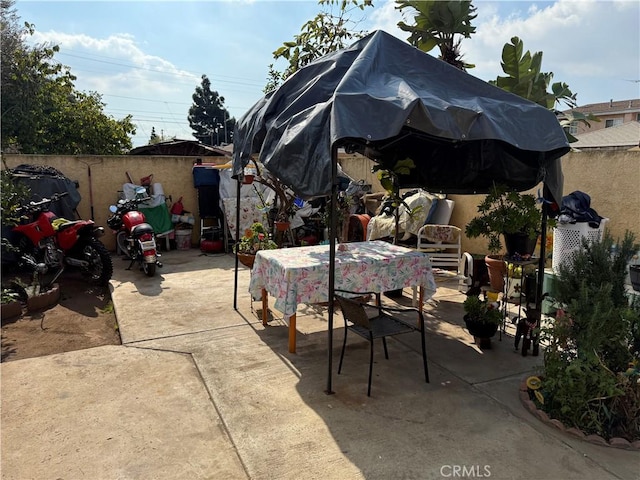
<point>133,202</point>
<point>35,206</point>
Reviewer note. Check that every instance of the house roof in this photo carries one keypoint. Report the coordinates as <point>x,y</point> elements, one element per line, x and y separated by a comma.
<point>181,148</point>
<point>626,135</point>
<point>610,107</point>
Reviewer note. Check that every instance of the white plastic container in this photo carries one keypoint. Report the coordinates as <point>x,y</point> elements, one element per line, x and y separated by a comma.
<point>183,239</point>
<point>567,239</point>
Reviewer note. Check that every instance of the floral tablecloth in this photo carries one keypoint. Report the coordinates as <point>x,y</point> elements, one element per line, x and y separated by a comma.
<point>301,274</point>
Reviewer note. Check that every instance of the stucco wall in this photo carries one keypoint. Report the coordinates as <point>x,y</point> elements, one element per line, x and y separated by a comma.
<point>108,174</point>
<point>610,178</point>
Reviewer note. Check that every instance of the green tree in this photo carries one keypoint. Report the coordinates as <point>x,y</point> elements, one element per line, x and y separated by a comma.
<point>436,24</point>
<point>208,118</point>
<point>42,112</point>
<point>326,33</point>
<point>155,138</point>
<point>525,78</point>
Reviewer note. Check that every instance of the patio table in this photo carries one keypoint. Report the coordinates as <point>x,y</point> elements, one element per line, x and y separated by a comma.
<point>301,275</point>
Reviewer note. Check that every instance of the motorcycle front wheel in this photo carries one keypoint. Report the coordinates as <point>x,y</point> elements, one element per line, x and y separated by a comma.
<point>100,266</point>
<point>149,269</point>
<point>123,243</point>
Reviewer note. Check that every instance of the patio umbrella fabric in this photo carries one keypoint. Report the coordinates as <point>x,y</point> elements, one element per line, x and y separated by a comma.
<point>390,101</point>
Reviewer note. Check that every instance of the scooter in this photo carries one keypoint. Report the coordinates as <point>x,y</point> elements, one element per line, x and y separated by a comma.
<point>133,235</point>
<point>47,243</point>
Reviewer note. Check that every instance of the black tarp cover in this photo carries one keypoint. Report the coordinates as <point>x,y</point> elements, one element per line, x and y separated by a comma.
<point>44,181</point>
<point>389,101</point>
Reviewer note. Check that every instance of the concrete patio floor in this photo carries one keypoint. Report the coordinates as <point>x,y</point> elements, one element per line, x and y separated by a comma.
<point>201,390</point>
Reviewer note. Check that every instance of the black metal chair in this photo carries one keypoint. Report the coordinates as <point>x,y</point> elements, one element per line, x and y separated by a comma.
<point>376,321</point>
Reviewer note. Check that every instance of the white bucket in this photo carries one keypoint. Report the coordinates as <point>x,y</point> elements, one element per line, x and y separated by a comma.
<point>183,239</point>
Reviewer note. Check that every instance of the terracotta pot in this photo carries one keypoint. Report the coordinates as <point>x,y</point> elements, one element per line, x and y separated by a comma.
<point>246,259</point>
<point>44,300</point>
<point>497,269</point>
<point>282,226</point>
<point>11,310</point>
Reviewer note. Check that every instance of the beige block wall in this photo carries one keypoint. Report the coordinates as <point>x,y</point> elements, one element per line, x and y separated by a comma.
<point>610,178</point>
<point>108,174</point>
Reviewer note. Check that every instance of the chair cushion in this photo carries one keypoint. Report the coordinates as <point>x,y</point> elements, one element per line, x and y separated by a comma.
<point>441,233</point>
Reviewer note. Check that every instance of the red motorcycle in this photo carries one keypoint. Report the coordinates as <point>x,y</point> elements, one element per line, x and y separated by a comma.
<point>133,235</point>
<point>49,244</point>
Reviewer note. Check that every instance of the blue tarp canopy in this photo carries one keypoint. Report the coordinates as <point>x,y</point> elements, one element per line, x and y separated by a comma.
<point>389,101</point>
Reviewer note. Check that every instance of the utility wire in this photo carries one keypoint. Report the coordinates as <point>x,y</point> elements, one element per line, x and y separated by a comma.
<point>188,74</point>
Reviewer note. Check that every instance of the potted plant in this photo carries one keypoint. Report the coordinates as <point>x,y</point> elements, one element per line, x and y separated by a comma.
<point>11,306</point>
<point>509,214</point>
<point>482,319</point>
<point>255,238</point>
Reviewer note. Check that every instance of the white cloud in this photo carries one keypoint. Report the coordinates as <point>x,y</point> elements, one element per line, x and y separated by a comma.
<point>129,69</point>
<point>578,39</point>
<point>386,17</point>
<point>590,45</point>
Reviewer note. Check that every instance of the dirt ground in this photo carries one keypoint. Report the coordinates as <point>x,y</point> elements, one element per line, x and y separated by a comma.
<point>82,318</point>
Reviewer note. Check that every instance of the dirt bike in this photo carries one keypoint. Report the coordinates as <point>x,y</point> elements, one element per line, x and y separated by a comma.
<point>48,244</point>
<point>134,236</point>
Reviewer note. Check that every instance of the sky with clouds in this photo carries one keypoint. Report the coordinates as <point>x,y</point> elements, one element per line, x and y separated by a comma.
<point>146,58</point>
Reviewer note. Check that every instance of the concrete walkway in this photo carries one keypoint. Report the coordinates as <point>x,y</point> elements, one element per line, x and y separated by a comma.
<point>201,390</point>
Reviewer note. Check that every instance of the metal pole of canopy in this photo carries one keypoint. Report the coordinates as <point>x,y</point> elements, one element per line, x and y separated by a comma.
<point>235,281</point>
<point>539,281</point>
<point>332,262</point>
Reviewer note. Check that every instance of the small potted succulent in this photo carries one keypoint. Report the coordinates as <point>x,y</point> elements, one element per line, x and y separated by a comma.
<point>255,238</point>
<point>482,318</point>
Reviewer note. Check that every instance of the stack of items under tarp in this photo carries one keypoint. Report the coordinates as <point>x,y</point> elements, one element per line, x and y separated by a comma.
<point>421,207</point>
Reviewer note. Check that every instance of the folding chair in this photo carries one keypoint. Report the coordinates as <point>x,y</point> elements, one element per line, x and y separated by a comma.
<point>376,321</point>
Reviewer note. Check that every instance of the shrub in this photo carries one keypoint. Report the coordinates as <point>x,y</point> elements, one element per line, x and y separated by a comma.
<point>591,375</point>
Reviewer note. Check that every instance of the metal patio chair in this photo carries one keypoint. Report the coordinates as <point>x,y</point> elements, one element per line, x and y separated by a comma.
<point>376,321</point>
